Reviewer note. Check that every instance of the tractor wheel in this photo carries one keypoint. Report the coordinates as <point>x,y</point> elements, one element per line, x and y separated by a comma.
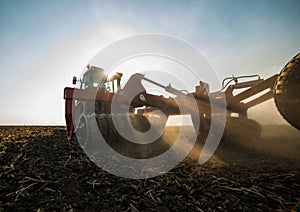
<point>287,92</point>
<point>108,130</point>
<point>78,111</point>
<point>139,122</point>
<point>83,131</point>
<point>125,147</point>
<point>102,122</point>
<point>106,127</point>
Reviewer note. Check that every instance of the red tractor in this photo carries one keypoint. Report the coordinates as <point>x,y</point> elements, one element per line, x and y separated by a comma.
<point>97,91</point>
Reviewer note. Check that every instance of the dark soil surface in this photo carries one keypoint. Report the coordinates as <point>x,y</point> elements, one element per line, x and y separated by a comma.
<point>41,171</point>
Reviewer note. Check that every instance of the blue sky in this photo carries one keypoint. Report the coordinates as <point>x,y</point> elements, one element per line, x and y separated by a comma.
<point>44,43</point>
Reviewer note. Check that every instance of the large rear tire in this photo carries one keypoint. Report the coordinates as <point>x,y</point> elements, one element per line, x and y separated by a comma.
<point>287,92</point>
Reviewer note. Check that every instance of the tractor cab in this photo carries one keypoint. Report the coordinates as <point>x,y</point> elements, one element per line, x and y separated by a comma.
<point>95,78</point>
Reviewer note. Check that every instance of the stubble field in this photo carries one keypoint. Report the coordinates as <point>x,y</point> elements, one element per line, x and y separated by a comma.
<point>41,171</point>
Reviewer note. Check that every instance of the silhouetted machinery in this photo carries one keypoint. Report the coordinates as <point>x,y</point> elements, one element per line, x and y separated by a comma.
<point>95,95</point>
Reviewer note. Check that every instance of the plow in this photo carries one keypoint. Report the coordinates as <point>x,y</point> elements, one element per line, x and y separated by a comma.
<point>98,95</point>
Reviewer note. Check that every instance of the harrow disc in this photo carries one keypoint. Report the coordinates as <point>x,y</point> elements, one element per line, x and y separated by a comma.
<point>287,92</point>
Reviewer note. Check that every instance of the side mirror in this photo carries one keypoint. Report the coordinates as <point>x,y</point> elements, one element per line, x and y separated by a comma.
<point>74,80</point>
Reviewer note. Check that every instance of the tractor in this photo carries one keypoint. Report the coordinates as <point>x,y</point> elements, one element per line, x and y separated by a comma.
<point>97,91</point>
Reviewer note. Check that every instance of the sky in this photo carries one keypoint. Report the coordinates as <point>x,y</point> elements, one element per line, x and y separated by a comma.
<point>44,43</point>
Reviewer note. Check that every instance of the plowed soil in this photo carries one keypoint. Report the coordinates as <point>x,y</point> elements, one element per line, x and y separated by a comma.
<point>41,171</point>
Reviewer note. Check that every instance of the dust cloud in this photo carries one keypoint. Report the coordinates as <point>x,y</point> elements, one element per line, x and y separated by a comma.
<point>241,140</point>
<point>266,113</point>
